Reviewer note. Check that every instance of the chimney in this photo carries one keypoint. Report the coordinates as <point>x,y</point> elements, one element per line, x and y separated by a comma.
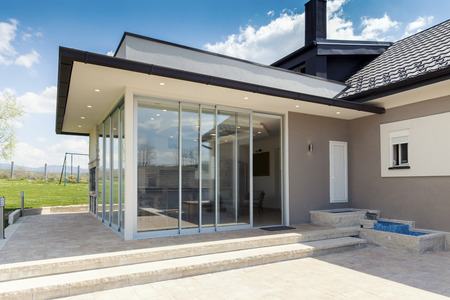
<point>315,20</point>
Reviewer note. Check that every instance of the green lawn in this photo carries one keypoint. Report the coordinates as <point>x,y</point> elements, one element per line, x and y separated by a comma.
<point>42,193</point>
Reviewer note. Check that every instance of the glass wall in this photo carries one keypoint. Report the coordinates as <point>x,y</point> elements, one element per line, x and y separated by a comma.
<point>158,172</point>
<point>110,175</point>
<point>107,171</point>
<point>100,172</point>
<point>122,169</point>
<point>189,166</point>
<point>193,167</point>
<point>234,165</point>
<point>208,167</point>
<point>115,168</point>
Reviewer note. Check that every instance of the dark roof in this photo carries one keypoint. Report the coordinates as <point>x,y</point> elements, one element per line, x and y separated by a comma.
<point>409,60</point>
<point>338,47</point>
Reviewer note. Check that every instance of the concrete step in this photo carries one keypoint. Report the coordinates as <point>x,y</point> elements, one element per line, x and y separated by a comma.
<point>122,258</point>
<point>76,283</point>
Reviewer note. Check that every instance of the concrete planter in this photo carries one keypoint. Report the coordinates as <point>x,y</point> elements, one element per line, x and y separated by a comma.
<point>431,242</point>
<point>349,217</point>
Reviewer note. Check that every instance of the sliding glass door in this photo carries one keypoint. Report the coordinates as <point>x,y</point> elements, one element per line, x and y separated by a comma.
<point>158,167</point>
<point>194,167</point>
<point>110,170</point>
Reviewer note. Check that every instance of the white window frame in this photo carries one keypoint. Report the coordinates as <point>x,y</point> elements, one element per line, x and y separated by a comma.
<point>398,138</point>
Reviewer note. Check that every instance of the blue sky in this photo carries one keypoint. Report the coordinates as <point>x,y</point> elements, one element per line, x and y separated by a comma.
<point>261,31</point>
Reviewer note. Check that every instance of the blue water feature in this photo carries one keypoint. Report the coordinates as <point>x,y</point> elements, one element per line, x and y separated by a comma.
<point>396,228</point>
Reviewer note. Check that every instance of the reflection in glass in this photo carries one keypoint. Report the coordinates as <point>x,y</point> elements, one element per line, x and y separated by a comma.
<point>226,123</point>
<point>208,135</point>
<point>189,166</point>
<point>115,165</point>
<point>122,162</point>
<point>100,173</point>
<point>243,159</point>
<point>267,185</point>
<point>158,179</point>
<point>107,175</point>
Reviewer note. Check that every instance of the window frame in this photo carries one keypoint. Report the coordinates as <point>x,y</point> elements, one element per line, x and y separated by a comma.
<point>399,148</point>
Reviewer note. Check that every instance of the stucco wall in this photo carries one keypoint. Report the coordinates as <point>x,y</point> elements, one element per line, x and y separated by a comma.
<point>309,173</point>
<point>425,200</point>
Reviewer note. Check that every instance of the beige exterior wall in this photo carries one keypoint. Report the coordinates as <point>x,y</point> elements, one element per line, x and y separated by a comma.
<point>425,200</point>
<point>309,172</point>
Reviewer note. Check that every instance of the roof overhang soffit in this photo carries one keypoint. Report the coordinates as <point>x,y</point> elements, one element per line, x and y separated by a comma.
<point>68,56</point>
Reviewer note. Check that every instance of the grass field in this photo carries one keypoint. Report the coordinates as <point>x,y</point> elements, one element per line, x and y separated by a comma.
<point>42,193</point>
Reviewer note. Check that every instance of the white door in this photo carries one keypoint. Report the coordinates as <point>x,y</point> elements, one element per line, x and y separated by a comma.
<point>338,172</point>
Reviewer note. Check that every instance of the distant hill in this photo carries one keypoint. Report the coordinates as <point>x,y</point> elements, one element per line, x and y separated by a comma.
<point>50,168</point>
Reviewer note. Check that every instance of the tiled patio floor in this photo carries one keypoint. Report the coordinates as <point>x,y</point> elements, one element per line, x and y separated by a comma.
<point>73,234</point>
<point>368,273</point>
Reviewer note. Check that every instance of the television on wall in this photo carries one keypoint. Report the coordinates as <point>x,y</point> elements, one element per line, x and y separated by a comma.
<point>261,164</point>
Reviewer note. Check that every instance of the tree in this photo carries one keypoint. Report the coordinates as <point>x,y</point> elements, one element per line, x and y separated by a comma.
<point>10,111</point>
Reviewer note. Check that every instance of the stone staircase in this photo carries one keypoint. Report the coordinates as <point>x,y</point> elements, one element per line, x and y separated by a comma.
<point>62,277</point>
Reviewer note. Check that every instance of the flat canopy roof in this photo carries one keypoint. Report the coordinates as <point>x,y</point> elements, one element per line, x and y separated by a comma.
<point>80,106</point>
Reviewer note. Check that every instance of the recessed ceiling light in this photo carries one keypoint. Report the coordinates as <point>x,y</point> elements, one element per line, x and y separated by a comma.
<point>338,112</point>
<point>171,136</point>
<point>152,118</point>
<point>89,106</point>
<point>164,109</point>
<point>162,83</point>
<point>297,106</point>
<point>157,115</point>
<point>97,90</point>
<point>245,98</point>
<point>79,126</point>
<point>213,134</point>
<point>259,132</point>
<point>82,118</point>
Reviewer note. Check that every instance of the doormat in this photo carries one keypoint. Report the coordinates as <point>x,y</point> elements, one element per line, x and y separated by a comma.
<point>277,228</point>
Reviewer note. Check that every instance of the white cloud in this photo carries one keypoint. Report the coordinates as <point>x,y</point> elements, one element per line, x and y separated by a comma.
<point>27,155</point>
<point>257,44</point>
<point>27,60</point>
<point>418,25</point>
<point>30,155</point>
<point>285,34</point>
<point>271,13</point>
<point>374,28</point>
<point>26,36</point>
<point>8,53</point>
<point>43,103</point>
<point>7,35</point>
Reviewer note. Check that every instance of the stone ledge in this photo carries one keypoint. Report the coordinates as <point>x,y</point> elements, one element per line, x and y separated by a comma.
<point>14,216</point>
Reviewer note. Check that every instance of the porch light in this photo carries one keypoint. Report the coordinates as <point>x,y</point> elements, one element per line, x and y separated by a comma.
<point>310,147</point>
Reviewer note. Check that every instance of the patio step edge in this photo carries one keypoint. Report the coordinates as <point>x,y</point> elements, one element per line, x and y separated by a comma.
<point>89,262</point>
<point>70,284</point>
